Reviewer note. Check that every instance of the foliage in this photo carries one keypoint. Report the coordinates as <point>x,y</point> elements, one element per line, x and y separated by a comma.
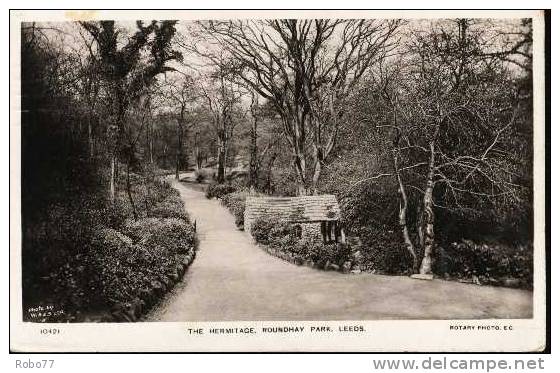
<point>124,268</point>
<point>486,264</point>
<point>169,207</point>
<point>235,202</point>
<point>320,253</point>
<point>157,232</point>
<point>283,182</point>
<point>217,190</point>
<point>203,175</point>
<point>104,256</point>
<point>282,236</point>
<point>269,229</point>
<point>382,251</point>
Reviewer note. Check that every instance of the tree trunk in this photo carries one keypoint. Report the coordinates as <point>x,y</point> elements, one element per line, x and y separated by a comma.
<point>299,165</point>
<point>253,161</point>
<point>221,176</point>
<point>90,139</point>
<point>184,161</point>
<point>177,161</point>
<point>112,178</point>
<point>269,187</point>
<point>316,174</point>
<point>115,136</point>
<point>129,192</point>
<point>150,133</point>
<point>403,209</point>
<point>420,224</point>
<point>197,156</point>
<point>318,161</point>
<point>294,130</point>
<point>226,154</point>
<point>179,153</point>
<point>117,172</point>
<point>428,212</point>
<point>199,159</point>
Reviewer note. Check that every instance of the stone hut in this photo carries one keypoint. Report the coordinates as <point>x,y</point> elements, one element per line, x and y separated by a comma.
<point>316,217</point>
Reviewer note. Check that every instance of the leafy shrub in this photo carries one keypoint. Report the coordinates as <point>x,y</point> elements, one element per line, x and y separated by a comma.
<point>167,212</point>
<point>79,282</point>
<point>123,269</point>
<point>118,266</point>
<point>116,213</point>
<point>283,236</point>
<point>135,178</point>
<point>203,175</point>
<point>235,202</point>
<point>216,190</point>
<point>236,177</point>
<point>102,256</point>
<point>170,207</point>
<point>280,180</point>
<point>267,230</point>
<point>199,177</point>
<point>489,264</point>
<point>173,234</point>
<point>382,250</point>
<point>336,253</point>
<point>156,192</point>
<point>58,238</point>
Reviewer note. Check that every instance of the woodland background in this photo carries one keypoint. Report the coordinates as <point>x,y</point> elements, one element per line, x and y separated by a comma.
<point>422,129</point>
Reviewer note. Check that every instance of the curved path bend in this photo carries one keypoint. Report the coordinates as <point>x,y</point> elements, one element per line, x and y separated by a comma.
<point>232,279</point>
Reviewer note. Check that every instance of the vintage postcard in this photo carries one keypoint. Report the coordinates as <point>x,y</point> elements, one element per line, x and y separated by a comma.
<point>277,181</point>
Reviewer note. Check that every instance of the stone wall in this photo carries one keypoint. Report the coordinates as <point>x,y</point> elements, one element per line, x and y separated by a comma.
<point>311,231</point>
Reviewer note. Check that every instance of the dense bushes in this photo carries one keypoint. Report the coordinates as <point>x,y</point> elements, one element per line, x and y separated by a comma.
<point>467,261</point>
<point>125,269</point>
<point>383,251</point>
<point>282,240</point>
<point>104,257</point>
<point>170,207</point>
<point>203,175</point>
<point>370,211</point>
<point>486,264</point>
<point>327,256</point>
<point>216,190</point>
<point>267,230</point>
<point>166,233</point>
<point>235,202</point>
<point>492,264</point>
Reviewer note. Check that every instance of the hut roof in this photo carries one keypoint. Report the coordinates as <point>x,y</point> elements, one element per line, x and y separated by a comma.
<point>294,209</point>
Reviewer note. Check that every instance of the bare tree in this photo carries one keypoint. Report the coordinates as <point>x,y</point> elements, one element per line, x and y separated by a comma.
<point>221,98</point>
<point>306,68</point>
<point>253,148</point>
<point>447,109</point>
<point>181,94</point>
<point>452,113</point>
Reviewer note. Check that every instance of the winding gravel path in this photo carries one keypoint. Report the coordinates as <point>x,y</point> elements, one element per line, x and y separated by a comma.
<point>233,279</point>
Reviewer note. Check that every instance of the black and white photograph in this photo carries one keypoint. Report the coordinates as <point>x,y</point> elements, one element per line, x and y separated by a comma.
<point>279,169</point>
